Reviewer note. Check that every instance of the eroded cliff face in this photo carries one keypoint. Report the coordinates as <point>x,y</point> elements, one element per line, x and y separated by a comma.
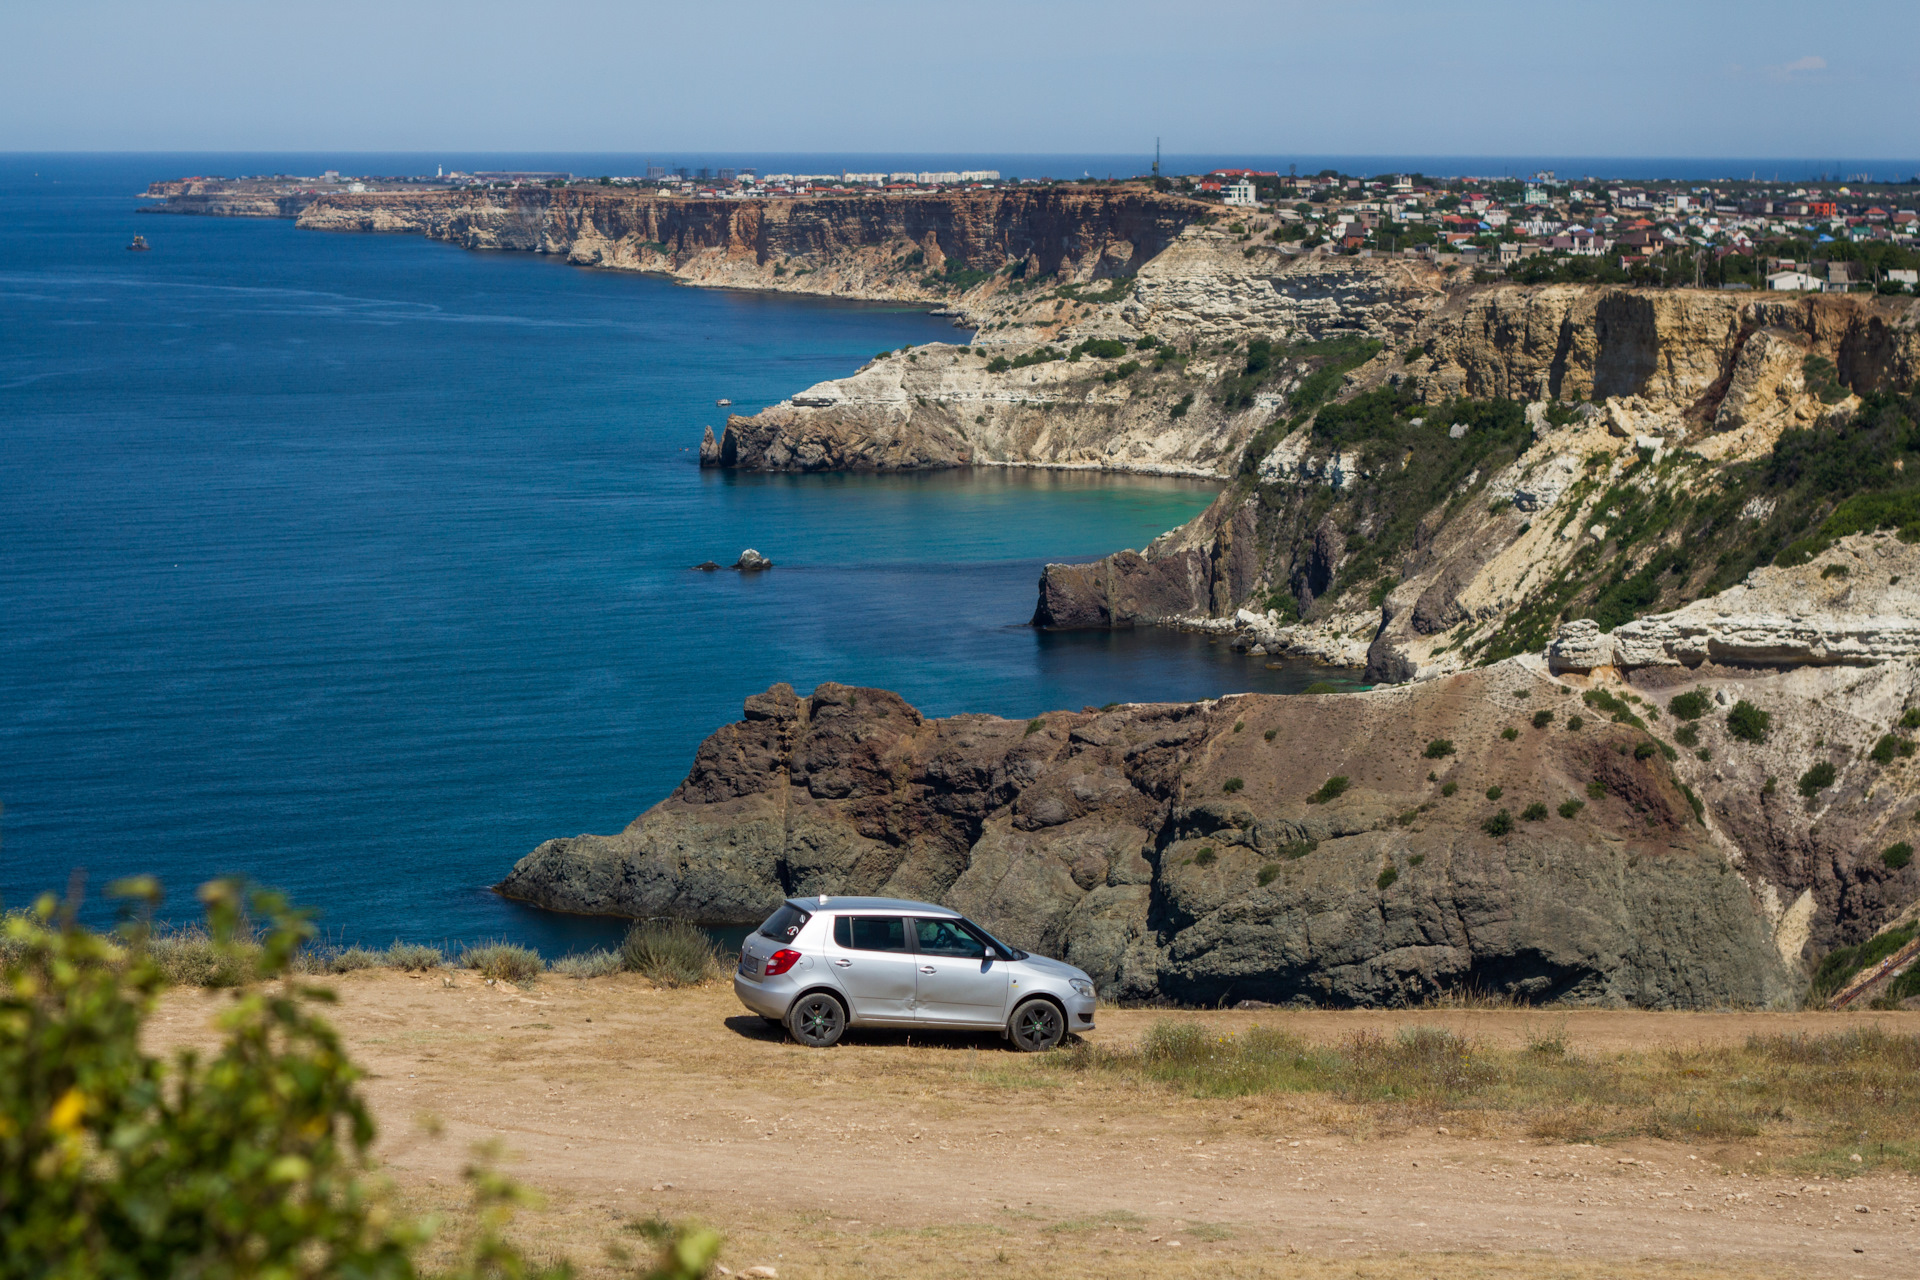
<point>1146,409</point>
<point>1189,851</point>
<point>848,246</point>
<point>1545,518</point>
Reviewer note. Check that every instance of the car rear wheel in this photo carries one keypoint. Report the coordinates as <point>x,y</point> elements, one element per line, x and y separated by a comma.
<point>1037,1026</point>
<point>817,1020</point>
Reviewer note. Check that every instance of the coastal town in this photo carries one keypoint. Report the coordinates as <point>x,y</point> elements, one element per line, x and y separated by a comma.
<point>1841,236</point>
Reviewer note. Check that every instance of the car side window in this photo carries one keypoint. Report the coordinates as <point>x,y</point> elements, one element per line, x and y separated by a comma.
<point>870,933</point>
<point>947,938</point>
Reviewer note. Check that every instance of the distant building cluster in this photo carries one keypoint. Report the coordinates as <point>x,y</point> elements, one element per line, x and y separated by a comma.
<point>1736,235</point>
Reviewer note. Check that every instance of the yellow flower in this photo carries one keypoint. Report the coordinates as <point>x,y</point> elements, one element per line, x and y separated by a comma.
<point>66,1113</point>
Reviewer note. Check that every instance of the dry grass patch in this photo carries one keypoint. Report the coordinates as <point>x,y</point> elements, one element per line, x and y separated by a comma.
<point>1824,1099</point>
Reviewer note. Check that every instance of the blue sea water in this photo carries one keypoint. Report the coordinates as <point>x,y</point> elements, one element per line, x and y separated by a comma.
<point>359,565</point>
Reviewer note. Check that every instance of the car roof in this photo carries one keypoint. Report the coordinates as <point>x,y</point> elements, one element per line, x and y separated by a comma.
<point>829,902</point>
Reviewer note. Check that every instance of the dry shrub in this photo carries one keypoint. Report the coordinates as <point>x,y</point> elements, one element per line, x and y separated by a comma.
<point>594,964</point>
<point>671,953</point>
<point>504,961</point>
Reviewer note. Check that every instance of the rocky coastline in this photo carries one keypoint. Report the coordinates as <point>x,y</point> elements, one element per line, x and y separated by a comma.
<point>1543,828</point>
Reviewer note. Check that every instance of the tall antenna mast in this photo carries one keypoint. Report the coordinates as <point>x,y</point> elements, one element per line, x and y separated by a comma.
<point>1156,157</point>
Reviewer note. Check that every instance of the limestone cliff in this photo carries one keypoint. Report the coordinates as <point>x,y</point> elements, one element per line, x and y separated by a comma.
<point>1157,399</point>
<point>879,246</point>
<point>1430,519</point>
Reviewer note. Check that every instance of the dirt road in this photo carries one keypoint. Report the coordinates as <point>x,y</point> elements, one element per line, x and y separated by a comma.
<point>896,1155</point>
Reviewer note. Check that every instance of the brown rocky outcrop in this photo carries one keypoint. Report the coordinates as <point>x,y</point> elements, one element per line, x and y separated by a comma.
<point>1193,851</point>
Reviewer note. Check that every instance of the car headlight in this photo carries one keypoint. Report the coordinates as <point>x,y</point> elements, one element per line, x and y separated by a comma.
<point>1082,986</point>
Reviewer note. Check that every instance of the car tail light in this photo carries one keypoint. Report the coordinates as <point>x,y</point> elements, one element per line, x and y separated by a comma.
<point>779,962</point>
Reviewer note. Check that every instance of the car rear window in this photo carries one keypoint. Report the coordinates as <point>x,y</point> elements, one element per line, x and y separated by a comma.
<point>870,933</point>
<point>783,924</point>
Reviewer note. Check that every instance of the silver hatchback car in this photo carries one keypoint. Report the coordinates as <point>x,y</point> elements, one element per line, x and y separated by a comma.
<point>821,965</point>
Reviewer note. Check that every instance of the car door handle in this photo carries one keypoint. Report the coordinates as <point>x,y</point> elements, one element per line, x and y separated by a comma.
<point>927,968</point>
<point>843,963</point>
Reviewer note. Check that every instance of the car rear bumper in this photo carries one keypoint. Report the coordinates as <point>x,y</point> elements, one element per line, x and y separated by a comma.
<point>769,1000</point>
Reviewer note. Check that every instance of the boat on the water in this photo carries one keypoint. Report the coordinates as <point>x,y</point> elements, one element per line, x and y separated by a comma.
<point>723,403</point>
<point>139,245</point>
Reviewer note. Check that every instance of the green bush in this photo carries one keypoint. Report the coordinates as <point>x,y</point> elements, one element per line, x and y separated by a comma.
<point>999,364</point>
<point>1568,808</point>
<point>1232,785</point>
<point>1690,705</point>
<point>1332,789</point>
<point>1499,824</point>
<point>1387,877</point>
<point>671,953</point>
<point>1181,406</point>
<point>253,1160</point>
<point>1816,780</point>
<point>1541,719</point>
<point>1270,734</point>
<point>1101,349</point>
<point>1535,812</point>
<point>1238,725</point>
<point>1034,726</point>
<point>1889,746</point>
<point>1268,874</point>
<point>1509,733</point>
<point>1687,736</point>
<point>1896,856</point>
<point>504,961</point>
<point>1645,751</point>
<point>1910,719</point>
<point>1439,748</point>
<point>1748,722</point>
<point>1206,857</point>
<point>1321,687</point>
<point>1575,724</point>
<point>1494,793</point>
<point>1596,789</point>
<point>1449,788</point>
<point>1839,966</point>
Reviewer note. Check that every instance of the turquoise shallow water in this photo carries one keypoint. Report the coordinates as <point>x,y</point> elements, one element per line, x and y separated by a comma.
<point>359,565</point>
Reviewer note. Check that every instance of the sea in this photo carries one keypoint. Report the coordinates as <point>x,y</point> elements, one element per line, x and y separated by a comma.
<point>358,565</point>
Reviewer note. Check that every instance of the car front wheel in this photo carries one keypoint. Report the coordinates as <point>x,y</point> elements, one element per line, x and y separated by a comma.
<point>817,1021</point>
<point>1037,1026</point>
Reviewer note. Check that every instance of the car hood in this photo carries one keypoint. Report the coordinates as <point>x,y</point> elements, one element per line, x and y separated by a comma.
<point>1055,968</point>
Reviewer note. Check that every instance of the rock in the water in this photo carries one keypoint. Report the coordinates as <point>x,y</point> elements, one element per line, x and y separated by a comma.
<point>710,448</point>
<point>708,566</point>
<point>752,561</point>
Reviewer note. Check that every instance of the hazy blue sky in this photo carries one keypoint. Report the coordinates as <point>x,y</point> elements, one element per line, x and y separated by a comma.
<point>1630,77</point>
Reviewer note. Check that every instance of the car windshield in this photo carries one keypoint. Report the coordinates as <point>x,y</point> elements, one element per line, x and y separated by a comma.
<point>784,924</point>
<point>1011,953</point>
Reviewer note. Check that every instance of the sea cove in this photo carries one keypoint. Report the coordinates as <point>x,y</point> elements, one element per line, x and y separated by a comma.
<point>360,564</point>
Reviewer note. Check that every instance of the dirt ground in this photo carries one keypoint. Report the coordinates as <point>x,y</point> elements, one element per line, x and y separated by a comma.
<point>937,1156</point>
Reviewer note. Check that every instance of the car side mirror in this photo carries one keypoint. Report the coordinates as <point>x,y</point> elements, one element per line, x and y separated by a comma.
<point>992,954</point>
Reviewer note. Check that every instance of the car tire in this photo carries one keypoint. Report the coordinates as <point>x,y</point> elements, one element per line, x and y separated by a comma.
<point>817,1020</point>
<point>1037,1026</point>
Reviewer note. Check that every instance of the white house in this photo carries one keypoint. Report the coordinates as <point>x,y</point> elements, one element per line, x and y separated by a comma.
<point>1241,194</point>
<point>1792,281</point>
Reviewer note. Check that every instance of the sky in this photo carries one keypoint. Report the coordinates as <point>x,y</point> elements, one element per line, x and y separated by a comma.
<point>1758,78</point>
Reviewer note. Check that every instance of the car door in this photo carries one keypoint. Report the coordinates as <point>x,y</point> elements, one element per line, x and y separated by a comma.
<point>873,961</point>
<point>958,984</point>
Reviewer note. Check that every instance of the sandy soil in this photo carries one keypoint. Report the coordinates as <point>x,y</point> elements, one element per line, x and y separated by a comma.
<point>938,1156</point>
